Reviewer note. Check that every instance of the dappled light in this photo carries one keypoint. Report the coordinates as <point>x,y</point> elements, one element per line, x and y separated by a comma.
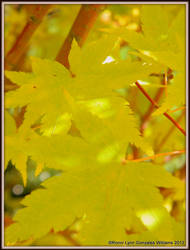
<point>95,124</point>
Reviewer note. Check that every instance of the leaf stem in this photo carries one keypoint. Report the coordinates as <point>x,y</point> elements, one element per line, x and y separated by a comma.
<point>154,103</point>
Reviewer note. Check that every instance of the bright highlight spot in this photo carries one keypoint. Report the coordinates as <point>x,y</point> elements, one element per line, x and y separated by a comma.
<point>108,59</point>
<point>168,206</point>
<point>135,12</point>
<point>141,83</point>
<point>150,218</point>
<point>132,26</point>
<point>106,16</point>
<point>44,175</point>
<point>18,189</point>
<point>62,125</point>
<point>148,53</point>
<point>108,153</point>
<point>100,107</point>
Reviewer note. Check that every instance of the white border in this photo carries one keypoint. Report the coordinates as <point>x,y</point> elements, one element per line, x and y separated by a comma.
<point>50,2</point>
<point>91,2</point>
<point>187,120</point>
<point>2,123</point>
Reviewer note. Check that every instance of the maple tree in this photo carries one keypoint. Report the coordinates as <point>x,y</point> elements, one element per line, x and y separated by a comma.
<point>88,111</point>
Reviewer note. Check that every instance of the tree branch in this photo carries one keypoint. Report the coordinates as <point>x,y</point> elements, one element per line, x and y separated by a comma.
<point>154,156</point>
<point>18,49</point>
<point>15,54</point>
<point>169,133</point>
<point>80,29</point>
<point>167,76</point>
<point>157,106</point>
<point>177,109</point>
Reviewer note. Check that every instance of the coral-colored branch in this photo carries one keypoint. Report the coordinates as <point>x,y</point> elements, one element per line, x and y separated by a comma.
<point>147,115</point>
<point>157,106</point>
<point>18,49</point>
<point>79,30</point>
<point>146,94</point>
<point>15,54</point>
<point>157,97</point>
<point>175,123</point>
<point>169,133</point>
<point>166,82</point>
<point>67,234</point>
<point>155,156</point>
<point>177,109</point>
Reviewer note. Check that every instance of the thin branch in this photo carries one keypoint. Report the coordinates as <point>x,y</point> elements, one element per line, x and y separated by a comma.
<point>177,109</point>
<point>155,156</point>
<point>151,108</point>
<point>166,82</point>
<point>167,76</point>
<point>80,29</point>
<point>169,133</point>
<point>67,234</point>
<point>157,106</point>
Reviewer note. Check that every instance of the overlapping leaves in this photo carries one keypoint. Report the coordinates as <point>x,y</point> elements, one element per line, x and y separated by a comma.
<point>110,199</point>
<point>85,128</point>
<point>52,98</point>
<point>162,40</point>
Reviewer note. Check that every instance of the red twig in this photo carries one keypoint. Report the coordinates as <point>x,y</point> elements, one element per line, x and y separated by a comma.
<point>168,133</point>
<point>157,106</point>
<point>157,97</point>
<point>177,109</point>
<point>156,155</point>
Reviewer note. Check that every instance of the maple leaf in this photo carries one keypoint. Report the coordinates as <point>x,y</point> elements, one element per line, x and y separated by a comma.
<point>50,79</point>
<point>110,197</point>
<point>103,139</point>
<point>39,90</point>
<point>165,44</point>
<point>82,126</point>
<point>113,124</point>
<point>15,146</point>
